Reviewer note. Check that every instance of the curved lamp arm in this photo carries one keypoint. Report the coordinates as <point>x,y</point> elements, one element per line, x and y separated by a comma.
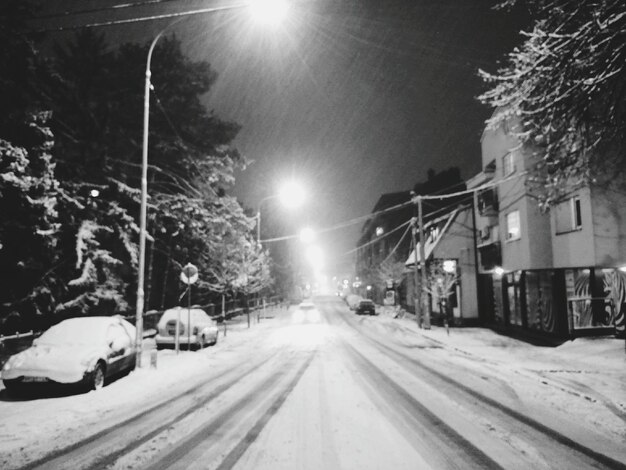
<point>144,173</point>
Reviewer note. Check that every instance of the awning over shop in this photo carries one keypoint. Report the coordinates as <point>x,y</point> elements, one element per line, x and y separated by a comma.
<point>431,240</point>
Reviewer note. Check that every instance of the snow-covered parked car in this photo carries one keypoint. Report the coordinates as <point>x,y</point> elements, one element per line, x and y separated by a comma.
<point>83,351</point>
<point>195,328</point>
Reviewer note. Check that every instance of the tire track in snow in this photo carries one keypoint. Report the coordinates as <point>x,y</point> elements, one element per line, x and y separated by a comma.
<point>184,449</point>
<point>86,448</point>
<point>234,455</point>
<point>404,360</point>
<point>433,431</point>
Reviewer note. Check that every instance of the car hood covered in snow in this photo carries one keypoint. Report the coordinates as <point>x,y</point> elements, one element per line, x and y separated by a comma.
<point>65,364</point>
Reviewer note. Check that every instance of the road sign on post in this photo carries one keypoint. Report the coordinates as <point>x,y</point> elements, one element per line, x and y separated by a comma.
<point>188,275</point>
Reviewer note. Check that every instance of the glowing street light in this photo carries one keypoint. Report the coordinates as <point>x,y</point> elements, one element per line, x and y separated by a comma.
<point>272,7</point>
<point>269,11</point>
<point>292,194</point>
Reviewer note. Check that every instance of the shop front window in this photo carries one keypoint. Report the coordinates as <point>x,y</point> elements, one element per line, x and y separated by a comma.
<point>539,300</point>
<point>592,297</point>
<point>513,297</point>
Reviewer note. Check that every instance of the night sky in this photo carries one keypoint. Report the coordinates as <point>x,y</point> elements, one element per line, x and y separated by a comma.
<point>353,99</point>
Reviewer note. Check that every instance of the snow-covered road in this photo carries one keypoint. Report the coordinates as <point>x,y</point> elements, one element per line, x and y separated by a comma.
<point>346,392</point>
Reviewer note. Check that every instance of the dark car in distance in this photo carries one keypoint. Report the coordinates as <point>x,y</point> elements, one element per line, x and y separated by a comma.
<point>366,306</point>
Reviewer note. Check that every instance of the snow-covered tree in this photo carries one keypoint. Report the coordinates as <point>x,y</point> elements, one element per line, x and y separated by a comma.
<point>98,289</point>
<point>391,269</point>
<point>566,86</point>
<point>76,203</point>
<point>98,99</point>
<point>29,222</point>
<point>441,285</point>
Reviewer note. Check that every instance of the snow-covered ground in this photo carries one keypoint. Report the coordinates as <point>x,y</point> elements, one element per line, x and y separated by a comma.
<point>584,378</point>
<point>330,407</point>
<point>597,363</point>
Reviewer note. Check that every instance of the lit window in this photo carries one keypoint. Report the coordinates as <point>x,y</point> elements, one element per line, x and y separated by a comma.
<point>508,164</point>
<point>512,226</point>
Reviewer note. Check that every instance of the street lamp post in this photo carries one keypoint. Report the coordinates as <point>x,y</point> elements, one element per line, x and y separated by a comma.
<point>144,164</point>
<point>144,198</point>
<point>291,194</point>
<point>258,218</point>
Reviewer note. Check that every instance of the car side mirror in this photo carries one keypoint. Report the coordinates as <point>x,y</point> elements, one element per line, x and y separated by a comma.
<point>117,344</point>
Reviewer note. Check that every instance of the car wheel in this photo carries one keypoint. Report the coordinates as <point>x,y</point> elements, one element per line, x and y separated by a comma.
<point>96,378</point>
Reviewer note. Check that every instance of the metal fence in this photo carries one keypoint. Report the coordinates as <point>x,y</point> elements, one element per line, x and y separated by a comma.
<point>12,344</point>
<point>233,308</point>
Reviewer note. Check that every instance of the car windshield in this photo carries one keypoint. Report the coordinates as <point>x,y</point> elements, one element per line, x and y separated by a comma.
<point>75,331</point>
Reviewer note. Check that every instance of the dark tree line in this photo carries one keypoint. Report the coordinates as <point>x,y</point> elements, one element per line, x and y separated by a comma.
<point>70,153</point>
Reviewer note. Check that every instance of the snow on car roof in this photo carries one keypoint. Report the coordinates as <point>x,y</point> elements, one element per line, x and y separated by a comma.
<point>80,330</point>
<point>196,313</point>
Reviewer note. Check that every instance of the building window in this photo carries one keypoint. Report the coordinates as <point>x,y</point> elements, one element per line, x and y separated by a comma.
<point>576,213</point>
<point>508,164</point>
<point>487,200</point>
<point>512,226</point>
<point>568,216</point>
<point>432,234</point>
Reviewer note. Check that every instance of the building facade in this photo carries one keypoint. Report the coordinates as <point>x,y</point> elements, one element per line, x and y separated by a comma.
<point>383,243</point>
<point>557,274</point>
<point>451,281</point>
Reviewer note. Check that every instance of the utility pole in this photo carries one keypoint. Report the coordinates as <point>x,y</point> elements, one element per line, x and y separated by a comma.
<point>416,295</point>
<point>424,313</point>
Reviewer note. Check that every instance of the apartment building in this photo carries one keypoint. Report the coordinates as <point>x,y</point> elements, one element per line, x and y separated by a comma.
<point>555,274</point>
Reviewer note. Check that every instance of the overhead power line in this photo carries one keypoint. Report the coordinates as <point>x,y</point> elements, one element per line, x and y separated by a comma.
<point>404,204</point>
<point>376,240</point>
<point>141,19</point>
<point>119,6</point>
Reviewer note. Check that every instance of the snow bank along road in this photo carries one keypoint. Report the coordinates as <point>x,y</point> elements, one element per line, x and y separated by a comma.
<point>343,392</point>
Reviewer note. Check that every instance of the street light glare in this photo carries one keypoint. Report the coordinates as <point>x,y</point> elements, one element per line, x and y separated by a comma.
<point>269,12</point>
<point>291,194</point>
<point>315,257</point>
<point>307,235</point>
